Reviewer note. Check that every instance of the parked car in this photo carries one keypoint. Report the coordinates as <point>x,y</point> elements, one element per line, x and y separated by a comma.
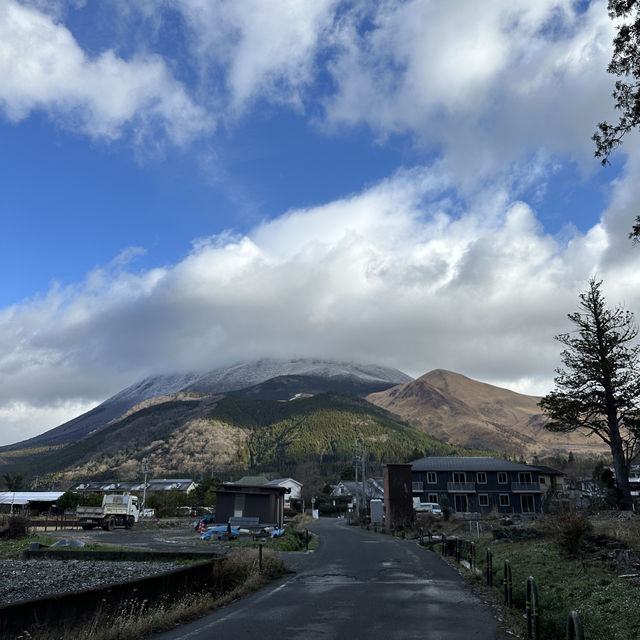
<point>428,507</point>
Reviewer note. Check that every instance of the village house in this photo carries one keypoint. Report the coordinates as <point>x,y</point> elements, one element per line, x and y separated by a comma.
<point>294,487</point>
<point>551,480</point>
<point>350,492</point>
<point>478,484</point>
<point>261,503</point>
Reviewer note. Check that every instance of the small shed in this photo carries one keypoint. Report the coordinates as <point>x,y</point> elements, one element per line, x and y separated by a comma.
<point>28,502</point>
<point>246,501</point>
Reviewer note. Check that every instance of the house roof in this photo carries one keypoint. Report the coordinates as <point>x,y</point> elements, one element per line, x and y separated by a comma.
<point>25,497</point>
<point>451,463</point>
<point>549,471</point>
<point>167,484</point>
<point>158,484</point>
<point>107,486</point>
<point>234,487</point>
<point>352,488</point>
<point>252,480</point>
<point>278,481</point>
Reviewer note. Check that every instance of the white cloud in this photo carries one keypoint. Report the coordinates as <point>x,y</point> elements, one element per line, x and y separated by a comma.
<point>21,420</point>
<point>488,83</point>
<point>395,275</point>
<point>266,50</point>
<point>43,68</point>
<point>477,81</point>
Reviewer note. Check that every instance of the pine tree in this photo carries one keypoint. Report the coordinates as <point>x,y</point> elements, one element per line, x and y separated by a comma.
<point>598,390</point>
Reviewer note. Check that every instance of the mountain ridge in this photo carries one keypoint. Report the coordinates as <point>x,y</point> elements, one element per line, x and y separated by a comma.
<point>236,377</point>
<point>467,412</point>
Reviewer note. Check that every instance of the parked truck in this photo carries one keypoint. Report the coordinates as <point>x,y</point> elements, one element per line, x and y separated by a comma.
<point>117,510</point>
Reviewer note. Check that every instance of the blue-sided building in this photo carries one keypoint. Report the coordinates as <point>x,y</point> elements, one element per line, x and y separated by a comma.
<point>478,485</point>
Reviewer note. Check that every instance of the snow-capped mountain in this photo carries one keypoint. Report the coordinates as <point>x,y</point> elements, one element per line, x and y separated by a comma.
<point>222,380</point>
<point>248,374</point>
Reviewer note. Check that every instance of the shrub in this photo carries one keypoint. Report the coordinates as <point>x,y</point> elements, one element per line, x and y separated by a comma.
<point>572,533</point>
<point>445,506</point>
<point>17,528</point>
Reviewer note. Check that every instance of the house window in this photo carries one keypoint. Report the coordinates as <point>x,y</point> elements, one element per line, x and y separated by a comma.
<point>431,477</point>
<point>481,477</point>
<point>483,499</point>
<point>502,477</point>
<point>543,481</point>
<point>459,476</point>
<point>432,497</point>
<point>416,486</point>
<point>504,500</point>
<point>528,504</point>
<point>524,476</point>
<point>461,503</point>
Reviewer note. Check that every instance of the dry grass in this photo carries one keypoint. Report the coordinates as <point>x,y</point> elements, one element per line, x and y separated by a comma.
<point>625,528</point>
<point>301,521</point>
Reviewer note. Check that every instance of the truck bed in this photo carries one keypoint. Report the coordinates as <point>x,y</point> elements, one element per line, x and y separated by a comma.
<point>94,513</point>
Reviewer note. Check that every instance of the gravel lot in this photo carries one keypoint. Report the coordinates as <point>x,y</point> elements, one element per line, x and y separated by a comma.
<point>29,579</point>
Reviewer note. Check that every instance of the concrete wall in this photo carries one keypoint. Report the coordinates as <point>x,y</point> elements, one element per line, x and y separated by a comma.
<point>74,607</point>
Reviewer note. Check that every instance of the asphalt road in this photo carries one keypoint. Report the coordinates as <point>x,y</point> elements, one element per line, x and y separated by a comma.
<point>357,584</point>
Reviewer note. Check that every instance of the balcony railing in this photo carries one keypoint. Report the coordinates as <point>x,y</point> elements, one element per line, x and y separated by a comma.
<point>525,487</point>
<point>461,487</point>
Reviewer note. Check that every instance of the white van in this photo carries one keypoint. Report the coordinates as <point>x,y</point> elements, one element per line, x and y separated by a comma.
<point>429,507</point>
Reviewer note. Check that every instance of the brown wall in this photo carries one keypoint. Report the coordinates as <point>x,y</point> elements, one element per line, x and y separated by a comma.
<point>398,501</point>
<point>266,506</point>
<point>73,607</point>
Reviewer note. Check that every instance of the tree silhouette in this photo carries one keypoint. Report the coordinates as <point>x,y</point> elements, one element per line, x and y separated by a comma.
<point>599,388</point>
<point>625,63</point>
<point>13,482</point>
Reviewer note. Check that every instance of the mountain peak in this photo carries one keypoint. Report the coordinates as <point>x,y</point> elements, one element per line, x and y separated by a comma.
<point>475,414</point>
<point>241,376</point>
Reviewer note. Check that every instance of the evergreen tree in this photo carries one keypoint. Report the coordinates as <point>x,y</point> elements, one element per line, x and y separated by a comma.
<point>625,63</point>
<point>598,390</point>
<point>13,482</point>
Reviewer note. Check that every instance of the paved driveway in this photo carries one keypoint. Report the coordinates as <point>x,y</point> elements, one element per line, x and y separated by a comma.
<point>357,584</point>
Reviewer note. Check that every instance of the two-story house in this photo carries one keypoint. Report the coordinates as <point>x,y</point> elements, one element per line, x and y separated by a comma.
<point>478,485</point>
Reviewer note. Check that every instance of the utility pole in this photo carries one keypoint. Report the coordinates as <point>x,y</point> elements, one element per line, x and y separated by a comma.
<point>355,462</point>
<point>364,488</point>
<point>145,468</point>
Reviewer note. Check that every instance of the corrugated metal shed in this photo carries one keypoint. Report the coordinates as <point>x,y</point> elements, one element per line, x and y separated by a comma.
<point>25,497</point>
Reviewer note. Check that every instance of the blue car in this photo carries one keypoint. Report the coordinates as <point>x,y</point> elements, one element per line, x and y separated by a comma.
<point>219,530</point>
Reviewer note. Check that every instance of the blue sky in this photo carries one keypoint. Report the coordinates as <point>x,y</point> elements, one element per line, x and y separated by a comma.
<point>190,183</point>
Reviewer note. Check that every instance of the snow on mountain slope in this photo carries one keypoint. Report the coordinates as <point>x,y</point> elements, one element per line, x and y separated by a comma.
<point>248,374</point>
<point>155,386</point>
<point>222,380</point>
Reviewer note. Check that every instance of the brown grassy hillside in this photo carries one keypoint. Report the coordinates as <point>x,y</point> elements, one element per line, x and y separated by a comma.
<point>463,411</point>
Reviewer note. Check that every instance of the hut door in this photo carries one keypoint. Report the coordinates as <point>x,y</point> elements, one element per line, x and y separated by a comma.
<point>238,506</point>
